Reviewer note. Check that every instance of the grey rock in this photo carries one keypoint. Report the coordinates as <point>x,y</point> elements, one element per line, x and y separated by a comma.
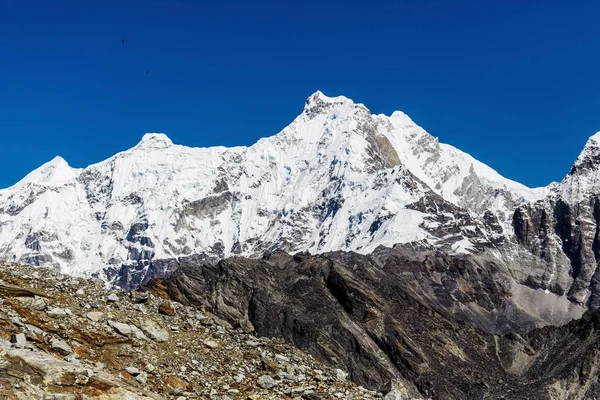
<point>121,328</point>
<point>395,395</point>
<point>19,341</point>
<point>57,312</point>
<point>94,316</point>
<point>341,375</point>
<point>112,298</point>
<point>153,330</point>
<point>142,377</point>
<point>61,346</point>
<point>266,382</point>
<point>133,371</point>
<point>211,344</point>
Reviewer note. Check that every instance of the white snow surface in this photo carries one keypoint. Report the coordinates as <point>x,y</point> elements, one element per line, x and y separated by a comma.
<point>584,178</point>
<point>319,185</point>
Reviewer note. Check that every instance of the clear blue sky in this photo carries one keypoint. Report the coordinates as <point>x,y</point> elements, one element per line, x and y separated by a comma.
<point>514,83</point>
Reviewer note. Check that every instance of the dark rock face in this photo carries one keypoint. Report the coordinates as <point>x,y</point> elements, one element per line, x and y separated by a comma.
<point>416,317</point>
<point>565,236</point>
<point>135,274</point>
<point>562,230</point>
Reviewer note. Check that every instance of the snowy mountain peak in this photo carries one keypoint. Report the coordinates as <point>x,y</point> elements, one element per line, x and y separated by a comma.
<point>319,102</point>
<point>154,141</point>
<point>595,137</point>
<point>55,172</point>
<point>589,158</point>
<point>583,178</point>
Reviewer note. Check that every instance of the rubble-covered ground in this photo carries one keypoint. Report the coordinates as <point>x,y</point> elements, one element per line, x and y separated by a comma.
<point>69,338</point>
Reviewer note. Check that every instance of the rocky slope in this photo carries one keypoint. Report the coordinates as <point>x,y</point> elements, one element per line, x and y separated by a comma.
<point>337,178</point>
<point>562,230</point>
<point>400,316</point>
<point>68,338</point>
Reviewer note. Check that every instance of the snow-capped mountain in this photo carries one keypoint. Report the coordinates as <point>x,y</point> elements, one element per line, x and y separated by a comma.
<point>337,178</point>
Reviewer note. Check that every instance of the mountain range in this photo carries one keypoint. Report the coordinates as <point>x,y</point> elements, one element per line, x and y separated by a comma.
<point>345,234</point>
<point>337,178</point>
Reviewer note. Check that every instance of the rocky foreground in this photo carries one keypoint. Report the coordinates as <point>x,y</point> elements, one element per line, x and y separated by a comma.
<point>70,338</point>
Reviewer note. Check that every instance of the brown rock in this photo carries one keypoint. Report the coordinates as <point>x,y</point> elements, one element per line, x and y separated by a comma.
<point>171,382</point>
<point>166,308</point>
<point>270,365</point>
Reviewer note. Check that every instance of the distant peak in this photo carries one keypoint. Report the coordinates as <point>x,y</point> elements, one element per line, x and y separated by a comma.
<point>594,138</point>
<point>318,101</point>
<point>54,172</point>
<point>592,144</point>
<point>57,161</point>
<point>589,158</point>
<point>155,141</point>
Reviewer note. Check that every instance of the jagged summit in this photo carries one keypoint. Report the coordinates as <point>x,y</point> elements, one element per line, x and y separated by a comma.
<point>320,103</point>
<point>154,141</point>
<point>583,178</point>
<point>320,97</point>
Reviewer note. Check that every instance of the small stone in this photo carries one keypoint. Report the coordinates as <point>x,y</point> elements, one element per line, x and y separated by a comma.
<point>112,298</point>
<point>80,292</point>
<point>57,312</point>
<point>133,371</point>
<point>153,330</point>
<point>149,367</point>
<point>266,382</point>
<point>94,316</point>
<point>61,346</point>
<point>166,308</point>
<point>141,308</point>
<point>19,341</point>
<point>340,375</point>
<point>38,304</point>
<point>206,321</point>
<point>282,358</point>
<point>137,333</point>
<point>395,395</point>
<point>142,378</point>
<point>121,328</point>
<point>174,383</point>
<point>82,380</point>
<point>211,344</point>
<point>270,365</point>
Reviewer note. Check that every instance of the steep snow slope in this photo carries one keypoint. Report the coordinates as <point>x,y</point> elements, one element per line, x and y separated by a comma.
<point>337,178</point>
<point>583,179</point>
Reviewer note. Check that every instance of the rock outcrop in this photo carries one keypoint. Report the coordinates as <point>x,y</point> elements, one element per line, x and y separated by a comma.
<point>68,338</point>
<point>447,327</point>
